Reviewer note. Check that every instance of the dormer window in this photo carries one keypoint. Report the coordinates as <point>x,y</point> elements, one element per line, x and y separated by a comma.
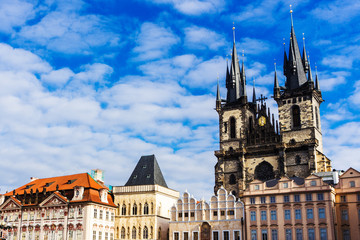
<point>103,195</point>
<point>148,176</point>
<point>285,185</point>
<point>78,193</point>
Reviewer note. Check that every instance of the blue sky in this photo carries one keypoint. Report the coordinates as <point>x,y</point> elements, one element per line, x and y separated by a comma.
<point>97,84</point>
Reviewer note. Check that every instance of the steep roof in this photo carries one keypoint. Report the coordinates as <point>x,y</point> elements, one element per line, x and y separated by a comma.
<point>147,172</point>
<point>65,183</point>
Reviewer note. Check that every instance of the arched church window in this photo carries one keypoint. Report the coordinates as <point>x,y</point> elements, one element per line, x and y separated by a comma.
<point>122,233</point>
<point>317,117</point>
<point>232,127</point>
<point>145,233</point>
<point>296,116</point>
<point>133,233</point>
<point>225,127</point>
<point>232,179</point>
<point>123,210</point>
<point>134,210</point>
<point>146,209</point>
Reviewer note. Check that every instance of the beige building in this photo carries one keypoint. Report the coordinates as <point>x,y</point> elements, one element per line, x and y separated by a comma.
<point>73,207</point>
<point>290,208</point>
<point>348,205</point>
<point>220,219</point>
<point>144,203</point>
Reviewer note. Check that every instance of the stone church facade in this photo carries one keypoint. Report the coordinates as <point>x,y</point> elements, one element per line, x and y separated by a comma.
<point>255,146</point>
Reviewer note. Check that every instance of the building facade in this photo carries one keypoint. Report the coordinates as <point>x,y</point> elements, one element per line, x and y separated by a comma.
<point>255,146</point>
<point>59,208</point>
<point>290,208</point>
<point>221,218</point>
<point>144,203</point>
<point>348,205</point>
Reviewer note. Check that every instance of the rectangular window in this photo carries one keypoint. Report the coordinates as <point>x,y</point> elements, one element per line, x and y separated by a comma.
<point>236,235</point>
<point>311,234</point>
<point>320,196</point>
<point>309,213</point>
<point>106,236</point>
<point>264,234</point>
<point>288,234</point>
<point>253,235</point>
<point>94,235</point>
<point>308,197</point>
<point>195,235</point>
<point>263,199</point>
<point>112,216</point>
<point>95,213</point>
<point>231,212</point>
<point>323,234</point>
<point>343,198</point>
<point>192,214</point>
<point>222,213</point>
<point>298,214</point>
<point>344,215</point>
<point>272,199</point>
<point>346,234</point>
<point>215,235</point>
<point>286,198</point>
<point>252,216</point>
<point>273,215</point>
<point>299,234</point>
<point>176,236</point>
<point>107,216</point>
<point>313,183</point>
<point>186,235</point>
<point>285,185</point>
<point>215,213</point>
<point>274,234</point>
<point>263,215</point>
<point>321,212</point>
<point>296,198</point>
<point>180,215</point>
<point>252,200</point>
<point>226,235</point>
<point>100,235</point>
<point>101,214</point>
<point>111,236</point>
<point>256,187</point>
<point>352,184</point>
<point>287,215</point>
<point>186,214</point>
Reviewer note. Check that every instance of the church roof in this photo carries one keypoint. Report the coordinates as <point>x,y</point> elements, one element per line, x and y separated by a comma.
<point>147,172</point>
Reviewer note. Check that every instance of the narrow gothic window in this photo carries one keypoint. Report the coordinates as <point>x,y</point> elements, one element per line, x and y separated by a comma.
<point>232,179</point>
<point>296,116</point>
<point>134,209</point>
<point>146,209</point>
<point>225,127</point>
<point>133,233</point>
<point>250,124</point>
<point>317,117</point>
<point>123,210</point>
<point>232,128</point>
<point>145,233</point>
<point>122,233</point>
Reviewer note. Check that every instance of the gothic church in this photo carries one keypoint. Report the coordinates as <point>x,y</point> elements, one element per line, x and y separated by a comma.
<point>255,146</point>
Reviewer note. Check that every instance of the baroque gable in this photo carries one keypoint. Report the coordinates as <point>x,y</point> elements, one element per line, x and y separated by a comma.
<point>10,204</point>
<point>53,200</point>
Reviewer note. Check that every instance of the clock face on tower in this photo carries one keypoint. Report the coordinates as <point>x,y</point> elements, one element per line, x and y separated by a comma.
<point>262,121</point>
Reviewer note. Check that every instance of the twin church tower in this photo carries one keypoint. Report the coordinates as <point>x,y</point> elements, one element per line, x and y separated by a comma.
<point>255,146</point>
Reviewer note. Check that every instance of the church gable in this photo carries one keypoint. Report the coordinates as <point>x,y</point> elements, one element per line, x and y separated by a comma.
<point>11,204</point>
<point>54,199</point>
<point>350,173</point>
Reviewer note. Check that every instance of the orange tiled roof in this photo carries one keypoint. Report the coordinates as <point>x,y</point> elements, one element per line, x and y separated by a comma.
<point>68,182</point>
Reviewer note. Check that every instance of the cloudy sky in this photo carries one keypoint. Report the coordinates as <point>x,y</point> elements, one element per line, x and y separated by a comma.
<point>97,84</point>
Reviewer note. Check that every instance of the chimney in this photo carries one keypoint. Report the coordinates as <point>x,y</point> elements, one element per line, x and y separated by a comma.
<point>98,175</point>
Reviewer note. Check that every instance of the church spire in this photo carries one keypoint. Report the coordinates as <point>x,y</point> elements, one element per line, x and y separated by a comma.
<point>276,85</point>
<point>304,58</point>
<point>234,78</point>
<point>254,94</point>
<point>317,84</point>
<point>285,60</point>
<point>243,78</point>
<point>218,98</point>
<point>295,73</point>
<point>310,79</point>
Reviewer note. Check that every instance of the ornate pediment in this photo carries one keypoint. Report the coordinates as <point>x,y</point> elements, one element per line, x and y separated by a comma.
<point>10,204</point>
<point>53,200</point>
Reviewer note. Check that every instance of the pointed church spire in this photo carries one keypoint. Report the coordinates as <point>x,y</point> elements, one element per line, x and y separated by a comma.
<point>295,73</point>
<point>317,86</point>
<point>254,94</point>
<point>234,79</point>
<point>243,77</point>
<point>276,85</point>
<point>218,98</point>
<point>310,79</point>
<point>304,58</point>
<point>285,60</point>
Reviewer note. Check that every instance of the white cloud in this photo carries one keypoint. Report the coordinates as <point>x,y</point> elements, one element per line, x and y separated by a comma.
<point>254,46</point>
<point>338,61</point>
<point>328,81</point>
<point>14,13</point>
<point>58,77</point>
<point>337,12</point>
<point>68,32</point>
<point>154,42</point>
<point>203,38</point>
<point>194,7</point>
